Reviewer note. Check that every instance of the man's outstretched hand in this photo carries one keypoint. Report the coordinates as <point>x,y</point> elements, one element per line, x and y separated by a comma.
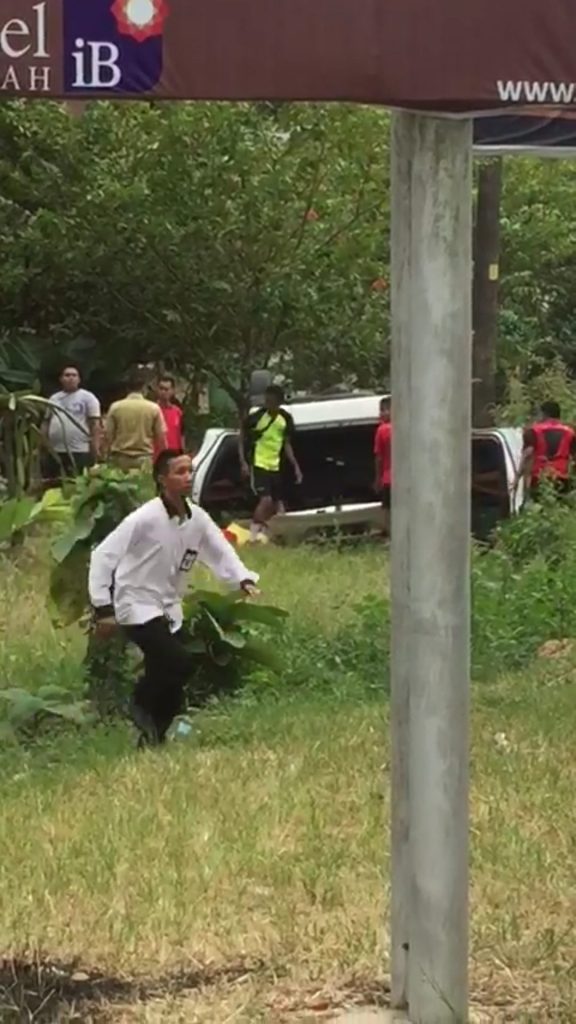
<point>249,589</point>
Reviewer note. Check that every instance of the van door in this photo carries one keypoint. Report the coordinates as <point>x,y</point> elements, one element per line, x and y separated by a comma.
<point>204,459</point>
<point>218,485</point>
<point>513,442</point>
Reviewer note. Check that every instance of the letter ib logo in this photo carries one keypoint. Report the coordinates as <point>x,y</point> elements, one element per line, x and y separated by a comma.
<point>113,45</point>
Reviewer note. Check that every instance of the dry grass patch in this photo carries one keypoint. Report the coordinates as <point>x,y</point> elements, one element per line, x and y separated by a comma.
<point>264,840</point>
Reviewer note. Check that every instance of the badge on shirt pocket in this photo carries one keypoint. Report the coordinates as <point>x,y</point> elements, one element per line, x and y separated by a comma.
<point>188,560</point>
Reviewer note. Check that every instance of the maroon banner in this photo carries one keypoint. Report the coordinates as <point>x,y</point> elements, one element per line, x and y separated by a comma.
<point>441,55</point>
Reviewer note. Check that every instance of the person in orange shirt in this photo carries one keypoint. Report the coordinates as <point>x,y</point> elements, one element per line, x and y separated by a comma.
<point>383,461</point>
<point>172,414</point>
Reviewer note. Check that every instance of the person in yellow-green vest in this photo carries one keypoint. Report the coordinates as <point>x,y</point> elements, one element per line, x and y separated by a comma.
<point>265,440</point>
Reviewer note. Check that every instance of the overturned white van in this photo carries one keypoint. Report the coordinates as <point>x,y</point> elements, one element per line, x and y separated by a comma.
<point>334,446</point>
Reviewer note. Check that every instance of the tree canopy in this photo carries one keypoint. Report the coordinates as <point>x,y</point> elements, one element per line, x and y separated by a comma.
<point>216,238</point>
<point>219,239</point>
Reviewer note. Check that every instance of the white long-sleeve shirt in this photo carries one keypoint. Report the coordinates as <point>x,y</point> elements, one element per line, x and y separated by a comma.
<point>141,569</point>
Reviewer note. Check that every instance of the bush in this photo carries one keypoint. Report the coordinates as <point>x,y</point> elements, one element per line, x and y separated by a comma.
<point>356,659</point>
<point>524,589</point>
<point>523,594</point>
<point>548,380</point>
<point>227,636</point>
<point>24,715</point>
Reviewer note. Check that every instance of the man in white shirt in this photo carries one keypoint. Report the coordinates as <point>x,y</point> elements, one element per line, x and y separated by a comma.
<point>138,577</point>
<point>73,435</point>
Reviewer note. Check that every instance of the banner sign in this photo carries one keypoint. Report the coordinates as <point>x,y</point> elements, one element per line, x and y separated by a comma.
<point>432,55</point>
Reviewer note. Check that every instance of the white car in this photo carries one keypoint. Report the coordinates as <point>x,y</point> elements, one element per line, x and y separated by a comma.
<point>334,445</point>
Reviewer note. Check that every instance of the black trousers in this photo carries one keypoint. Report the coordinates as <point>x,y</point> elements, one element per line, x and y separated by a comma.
<point>167,666</point>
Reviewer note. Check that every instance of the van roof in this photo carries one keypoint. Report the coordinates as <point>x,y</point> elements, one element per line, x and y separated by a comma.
<point>332,410</point>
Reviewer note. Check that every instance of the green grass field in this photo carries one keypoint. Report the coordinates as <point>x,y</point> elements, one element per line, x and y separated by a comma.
<point>243,876</point>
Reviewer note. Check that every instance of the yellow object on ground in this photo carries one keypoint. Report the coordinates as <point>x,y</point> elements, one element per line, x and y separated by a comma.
<point>237,535</point>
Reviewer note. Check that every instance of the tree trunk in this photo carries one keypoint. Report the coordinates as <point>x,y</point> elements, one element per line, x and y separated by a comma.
<point>485,291</point>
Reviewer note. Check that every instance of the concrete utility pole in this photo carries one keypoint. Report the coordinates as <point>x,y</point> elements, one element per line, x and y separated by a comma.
<point>485,290</point>
<point>431,393</point>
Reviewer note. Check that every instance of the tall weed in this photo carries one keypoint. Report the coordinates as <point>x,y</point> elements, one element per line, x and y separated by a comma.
<point>524,589</point>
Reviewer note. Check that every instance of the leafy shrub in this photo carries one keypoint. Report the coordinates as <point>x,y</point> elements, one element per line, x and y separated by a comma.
<point>99,501</point>
<point>21,417</point>
<point>525,588</point>
<point>227,636</point>
<point>15,515</point>
<point>356,659</point>
<point>547,380</point>
<point>109,672</point>
<point>524,594</point>
<point>546,528</point>
<point>224,632</point>
<point>23,714</point>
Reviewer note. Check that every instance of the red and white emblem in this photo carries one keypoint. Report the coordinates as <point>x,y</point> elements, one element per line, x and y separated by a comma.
<point>140,19</point>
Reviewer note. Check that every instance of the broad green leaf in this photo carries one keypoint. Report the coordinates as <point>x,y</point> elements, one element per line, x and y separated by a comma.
<point>53,693</point>
<point>24,513</point>
<point>69,587</point>
<point>51,497</point>
<point>208,617</point>
<point>220,656</point>
<point>15,514</point>
<point>267,615</point>
<point>196,646</point>
<point>76,713</point>
<point>79,531</point>
<point>7,516</point>
<point>62,547</point>
<point>24,708</point>
<point>13,693</point>
<point>233,639</point>
<point>263,654</point>
<point>219,606</point>
<point>53,507</point>
<point>8,734</point>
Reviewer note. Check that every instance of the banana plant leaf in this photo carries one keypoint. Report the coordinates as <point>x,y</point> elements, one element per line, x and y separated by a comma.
<point>69,586</point>
<point>15,514</point>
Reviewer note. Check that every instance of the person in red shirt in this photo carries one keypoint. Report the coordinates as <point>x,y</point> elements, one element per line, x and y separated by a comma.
<point>172,413</point>
<point>549,450</point>
<point>383,460</point>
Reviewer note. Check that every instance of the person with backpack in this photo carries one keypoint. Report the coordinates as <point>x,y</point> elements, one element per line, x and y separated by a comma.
<point>265,440</point>
<point>549,449</point>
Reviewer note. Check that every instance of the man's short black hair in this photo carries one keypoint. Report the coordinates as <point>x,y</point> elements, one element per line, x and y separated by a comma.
<point>68,366</point>
<point>137,379</point>
<point>551,410</point>
<point>167,378</point>
<point>163,460</point>
<point>275,391</point>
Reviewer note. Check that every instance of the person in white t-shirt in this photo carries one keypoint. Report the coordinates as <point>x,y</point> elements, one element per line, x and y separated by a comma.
<point>137,579</point>
<point>74,435</point>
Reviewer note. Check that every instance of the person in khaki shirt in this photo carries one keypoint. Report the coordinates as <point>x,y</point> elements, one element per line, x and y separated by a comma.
<point>135,428</point>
